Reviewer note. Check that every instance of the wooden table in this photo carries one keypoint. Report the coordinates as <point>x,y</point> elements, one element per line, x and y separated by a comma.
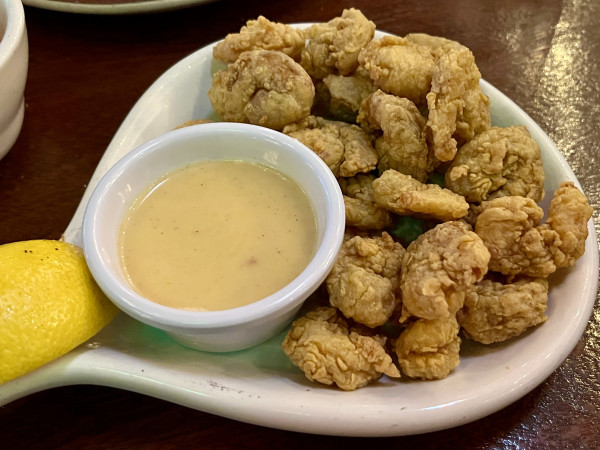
<point>86,72</point>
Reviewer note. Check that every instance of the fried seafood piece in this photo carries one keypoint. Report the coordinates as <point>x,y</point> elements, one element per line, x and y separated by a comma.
<point>264,88</point>
<point>433,42</point>
<point>403,146</point>
<point>399,67</point>
<point>455,80</point>
<point>361,210</point>
<point>475,116</point>
<point>345,148</point>
<point>328,351</point>
<point>495,311</point>
<point>510,228</point>
<point>346,93</point>
<point>333,46</point>
<point>438,267</point>
<point>364,281</point>
<point>261,34</point>
<point>404,195</point>
<point>497,163</point>
<point>429,349</point>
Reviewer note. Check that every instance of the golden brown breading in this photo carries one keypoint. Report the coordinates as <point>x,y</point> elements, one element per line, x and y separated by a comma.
<point>264,88</point>
<point>346,94</point>
<point>366,215</point>
<point>433,42</point>
<point>333,46</point>
<point>364,281</point>
<point>497,163</point>
<point>510,228</point>
<point>454,75</point>
<point>438,266</point>
<point>429,349</point>
<point>260,34</point>
<point>399,67</point>
<point>403,146</point>
<point>361,210</point>
<point>568,216</point>
<point>323,346</point>
<point>345,148</point>
<point>475,117</point>
<point>404,195</point>
<point>495,312</point>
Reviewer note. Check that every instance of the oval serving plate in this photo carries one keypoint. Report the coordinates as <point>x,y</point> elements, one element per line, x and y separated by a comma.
<point>260,385</point>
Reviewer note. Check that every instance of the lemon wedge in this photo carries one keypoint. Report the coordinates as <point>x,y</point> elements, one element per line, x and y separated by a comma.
<point>49,304</point>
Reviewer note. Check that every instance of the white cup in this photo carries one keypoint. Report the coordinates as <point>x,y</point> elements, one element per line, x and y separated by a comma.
<point>14,57</point>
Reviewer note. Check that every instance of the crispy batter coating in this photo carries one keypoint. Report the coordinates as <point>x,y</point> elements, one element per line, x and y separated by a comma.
<point>323,346</point>
<point>438,266</point>
<point>346,93</point>
<point>476,116</point>
<point>497,163</point>
<point>509,227</point>
<point>399,67</point>
<point>345,148</point>
<point>333,46</point>
<point>403,146</point>
<point>433,42</point>
<point>495,312</point>
<point>454,75</point>
<point>264,88</point>
<point>429,349</point>
<point>364,281</point>
<point>404,195</point>
<point>568,216</point>
<point>361,210</point>
<point>260,34</point>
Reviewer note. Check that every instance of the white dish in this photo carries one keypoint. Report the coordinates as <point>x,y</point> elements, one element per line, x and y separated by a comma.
<point>113,7</point>
<point>260,385</point>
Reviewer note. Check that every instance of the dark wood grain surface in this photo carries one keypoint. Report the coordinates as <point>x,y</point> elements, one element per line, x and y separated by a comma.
<point>85,74</point>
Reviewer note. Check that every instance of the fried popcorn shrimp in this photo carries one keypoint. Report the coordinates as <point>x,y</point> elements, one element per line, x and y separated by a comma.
<point>346,94</point>
<point>568,216</point>
<point>333,47</point>
<point>361,210</point>
<point>454,75</point>
<point>476,116</point>
<point>404,195</point>
<point>402,146</point>
<point>497,163</point>
<point>429,349</point>
<point>264,88</point>
<point>433,42</point>
<point>495,312</point>
<point>323,346</point>
<point>437,268</point>
<point>345,148</point>
<point>260,34</point>
<point>364,281</point>
<point>509,227</point>
<point>399,67</point>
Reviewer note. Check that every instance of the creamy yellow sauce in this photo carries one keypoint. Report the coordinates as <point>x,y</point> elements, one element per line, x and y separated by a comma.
<point>217,235</point>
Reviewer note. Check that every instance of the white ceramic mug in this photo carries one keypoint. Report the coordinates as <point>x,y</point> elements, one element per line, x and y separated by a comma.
<point>14,57</point>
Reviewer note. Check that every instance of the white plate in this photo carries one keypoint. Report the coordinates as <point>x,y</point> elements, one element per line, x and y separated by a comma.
<point>260,385</point>
<point>114,6</point>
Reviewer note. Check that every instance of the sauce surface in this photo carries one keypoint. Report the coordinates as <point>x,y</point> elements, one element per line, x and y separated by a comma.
<point>217,235</point>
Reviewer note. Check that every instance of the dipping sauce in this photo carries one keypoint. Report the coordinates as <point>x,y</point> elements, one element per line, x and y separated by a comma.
<point>217,235</point>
